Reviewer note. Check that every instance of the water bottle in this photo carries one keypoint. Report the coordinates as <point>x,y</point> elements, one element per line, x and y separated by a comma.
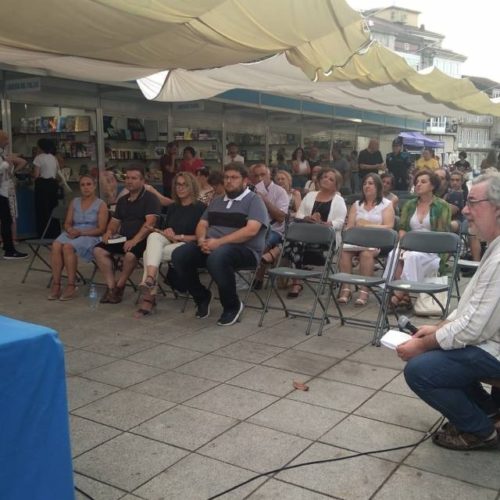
<point>93,296</point>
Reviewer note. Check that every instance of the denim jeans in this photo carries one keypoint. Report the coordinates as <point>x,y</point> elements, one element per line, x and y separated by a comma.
<point>221,265</point>
<point>449,382</point>
<point>273,239</point>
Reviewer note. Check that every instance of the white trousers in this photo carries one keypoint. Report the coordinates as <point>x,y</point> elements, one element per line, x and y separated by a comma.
<point>158,249</point>
<point>417,265</point>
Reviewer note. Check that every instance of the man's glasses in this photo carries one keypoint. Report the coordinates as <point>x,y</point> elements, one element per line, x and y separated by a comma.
<point>232,177</point>
<point>471,203</point>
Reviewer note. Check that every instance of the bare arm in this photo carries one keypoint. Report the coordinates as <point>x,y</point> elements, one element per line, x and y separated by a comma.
<point>201,230</point>
<point>113,226</point>
<point>164,200</point>
<point>351,218</point>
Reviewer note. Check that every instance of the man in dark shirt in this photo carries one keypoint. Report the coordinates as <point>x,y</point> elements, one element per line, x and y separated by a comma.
<point>134,214</point>
<point>399,163</point>
<point>370,160</point>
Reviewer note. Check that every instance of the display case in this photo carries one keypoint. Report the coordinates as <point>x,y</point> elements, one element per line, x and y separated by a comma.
<point>251,146</point>
<point>206,143</point>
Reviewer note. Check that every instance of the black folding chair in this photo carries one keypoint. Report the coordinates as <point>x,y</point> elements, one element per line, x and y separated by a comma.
<point>364,238</point>
<point>427,242</point>
<point>315,280</point>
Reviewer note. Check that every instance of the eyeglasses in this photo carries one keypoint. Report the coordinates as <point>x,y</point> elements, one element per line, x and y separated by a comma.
<point>232,177</point>
<point>471,203</point>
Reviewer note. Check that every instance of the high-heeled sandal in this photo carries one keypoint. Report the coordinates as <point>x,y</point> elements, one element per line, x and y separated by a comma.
<point>345,296</point>
<point>146,310</point>
<point>69,294</point>
<point>269,258</point>
<point>401,301</point>
<point>362,299</point>
<point>295,291</point>
<point>148,284</point>
<point>55,291</point>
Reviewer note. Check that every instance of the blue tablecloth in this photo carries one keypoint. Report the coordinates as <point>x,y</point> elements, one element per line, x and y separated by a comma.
<point>35,454</point>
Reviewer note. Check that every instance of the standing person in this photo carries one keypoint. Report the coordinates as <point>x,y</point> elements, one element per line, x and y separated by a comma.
<point>233,155</point>
<point>312,183</point>
<point>340,164</point>
<point>300,169</point>
<point>190,162</point>
<point>135,214</point>
<point>427,161</point>
<point>85,222</point>
<point>168,167</point>
<point>7,165</point>
<point>46,187</point>
<point>282,164</point>
<point>314,158</point>
<point>447,361</point>
<point>355,180</point>
<point>370,160</point>
<point>462,165</point>
<point>399,164</point>
<point>230,235</point>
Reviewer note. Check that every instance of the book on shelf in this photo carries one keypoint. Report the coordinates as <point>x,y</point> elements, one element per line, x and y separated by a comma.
<point>116,238</point>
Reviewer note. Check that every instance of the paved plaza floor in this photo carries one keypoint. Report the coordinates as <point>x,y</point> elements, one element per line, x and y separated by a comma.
<point>172,407</point>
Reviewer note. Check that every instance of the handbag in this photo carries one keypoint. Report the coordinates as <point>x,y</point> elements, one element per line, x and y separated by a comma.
<point>425,304</point>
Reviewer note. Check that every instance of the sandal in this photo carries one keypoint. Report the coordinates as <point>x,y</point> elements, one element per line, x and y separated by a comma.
<point>146,310</point>
<point>362,299</point>
<point>148,284</point>
<point>70,292</point>
<point>399,300</point>
<point>345,296</point>
<point>269,258</point>
<point>55,291</point>
<point>295,291</point>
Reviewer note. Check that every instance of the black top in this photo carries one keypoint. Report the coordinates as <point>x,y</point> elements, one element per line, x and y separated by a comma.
<point>399,166</point>
<point>367,158</point>
<point>323,207</point>
<point>132,214</point>
<point>183,219</point>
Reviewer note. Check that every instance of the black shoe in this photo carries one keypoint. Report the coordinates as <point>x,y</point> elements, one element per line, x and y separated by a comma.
<point>203,307</point>
<point>229,318</point>
<point>15,255</point>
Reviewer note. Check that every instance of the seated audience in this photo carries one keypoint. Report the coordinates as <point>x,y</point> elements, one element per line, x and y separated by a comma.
<point>387,187</point>
<point>85,222</point>
<point>230,235</point>
<point>284,179</point>
<point>312,183</point>
<point>300,169</point>
<point>325,206</point>
<point>134,216</point>
<point>180,223</point>
<point>206,190</point>
<point>190,162</point>
<point>462,165</point>
<point>427,161</point>
<point>373,210</point>
<point>216,181</point>
<point>233,154</point>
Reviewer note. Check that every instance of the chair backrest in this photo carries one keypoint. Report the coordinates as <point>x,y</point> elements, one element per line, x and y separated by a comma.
<point>371,237</point>
<point>351,198</point>
<point>313,234</point>
<point>430,242</point>
<point>58,213</point>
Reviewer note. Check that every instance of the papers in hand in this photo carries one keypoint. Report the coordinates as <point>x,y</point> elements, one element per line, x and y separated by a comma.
<point>117,238</point>
<point>393,338</point>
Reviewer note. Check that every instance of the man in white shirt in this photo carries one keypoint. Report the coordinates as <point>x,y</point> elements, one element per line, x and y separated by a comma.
<point>446,361</point>
<point>233,155</point>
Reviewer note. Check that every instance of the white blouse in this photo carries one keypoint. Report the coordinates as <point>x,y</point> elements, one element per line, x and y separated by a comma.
<point>48,165</point>
<point>375,215</point>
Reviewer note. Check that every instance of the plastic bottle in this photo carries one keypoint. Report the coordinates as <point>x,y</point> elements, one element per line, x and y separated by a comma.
<point>93,297</point>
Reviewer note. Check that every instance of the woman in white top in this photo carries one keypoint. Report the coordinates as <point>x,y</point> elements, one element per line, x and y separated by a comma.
<point>300,169</point>
<point>46,187</point>
<point>326,207</point>
<point>373,210</point>
<point>312,184</point>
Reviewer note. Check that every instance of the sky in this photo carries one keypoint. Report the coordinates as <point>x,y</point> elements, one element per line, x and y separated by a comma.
<point>470,28</point>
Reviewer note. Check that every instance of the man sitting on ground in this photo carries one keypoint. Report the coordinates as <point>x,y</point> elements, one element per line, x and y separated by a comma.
<point>447,361</point>
<point>134,214</point>
<point>230,235</point>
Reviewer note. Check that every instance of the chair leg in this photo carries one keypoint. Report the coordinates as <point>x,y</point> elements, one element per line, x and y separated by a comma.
<point>266,304</point>
<point>382,321</point>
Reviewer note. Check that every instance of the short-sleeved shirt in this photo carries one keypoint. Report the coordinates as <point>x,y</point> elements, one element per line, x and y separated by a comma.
<point>132,213</point>
<point>279,198</point>
<point>183,219</point>
<point>225,216</point>
<point>6,172</point>
<point>456,198</point>
<point>365,157</point>
<point>399,166</point>
<point>430,164</point>
<point>192,167</point>
<point>48,165</point>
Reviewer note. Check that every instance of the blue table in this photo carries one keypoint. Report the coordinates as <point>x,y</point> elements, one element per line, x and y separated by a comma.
<point>35,454</point>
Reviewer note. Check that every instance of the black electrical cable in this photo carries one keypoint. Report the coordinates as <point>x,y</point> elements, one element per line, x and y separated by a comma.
<point>83,493</point>
<point>317,462</point>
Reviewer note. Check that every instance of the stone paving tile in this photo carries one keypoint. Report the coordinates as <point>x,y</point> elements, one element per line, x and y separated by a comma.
<point>356,478</point>
<point>280,338</point>
<point>301,361</point>
<point>122,373</point>
<point>82,391</point>
<point>185,427</point>
<point>127,461</point>
<point>399,386</point>
<point>215,368</point>
<point>479,468</point>
<point>231,401</point>
<point>412,484</point>
<point>201,342</point>
<point>123,409</point>
<point>399,410</point>
<point>334,395</point>
<point>378,356</point>
<point>120,347</point>
<point>360,374</point>
<point>328,347</point>
<point>78,361</point>
<point>249,351</point>
<point>86,434</point>
<point>173,386</point>
<point>363,434</point>
<point>255,448</point>
<point>165,356</point>
<point>297,418</point>
<point>349,333</point>
<point>278,489</point>
<point>197,478</point>
<point>268,380</point>
<point>96,489</point>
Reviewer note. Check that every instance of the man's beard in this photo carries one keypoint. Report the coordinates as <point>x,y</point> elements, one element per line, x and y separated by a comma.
<point>234,194</point>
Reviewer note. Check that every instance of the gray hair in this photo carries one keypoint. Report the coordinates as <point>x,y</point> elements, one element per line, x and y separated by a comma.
<point>492,178</point>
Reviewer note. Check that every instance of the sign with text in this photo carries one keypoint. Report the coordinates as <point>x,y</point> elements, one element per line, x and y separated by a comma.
<point>24,85</point>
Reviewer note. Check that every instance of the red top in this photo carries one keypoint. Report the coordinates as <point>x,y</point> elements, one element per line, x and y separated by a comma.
<point>193,166</point>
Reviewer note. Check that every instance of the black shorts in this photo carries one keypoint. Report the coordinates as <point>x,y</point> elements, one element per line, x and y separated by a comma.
<point>117,248</point>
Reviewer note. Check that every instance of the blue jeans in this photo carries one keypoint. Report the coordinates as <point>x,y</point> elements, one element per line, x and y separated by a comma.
<point>449,382</point>
<point>221,265</point>
<point>273,239</point>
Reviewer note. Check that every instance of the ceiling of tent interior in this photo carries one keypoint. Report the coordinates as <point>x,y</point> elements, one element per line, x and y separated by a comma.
<point>312,49</point>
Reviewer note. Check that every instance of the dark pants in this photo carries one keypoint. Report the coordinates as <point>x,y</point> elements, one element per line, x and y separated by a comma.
<point>6,223</point>
<point>45,201</point>
<point>449,382</point>
<point>221,265</point>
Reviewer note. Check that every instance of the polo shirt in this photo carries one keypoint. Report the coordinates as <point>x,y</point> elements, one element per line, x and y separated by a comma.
<point>367,158</point>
